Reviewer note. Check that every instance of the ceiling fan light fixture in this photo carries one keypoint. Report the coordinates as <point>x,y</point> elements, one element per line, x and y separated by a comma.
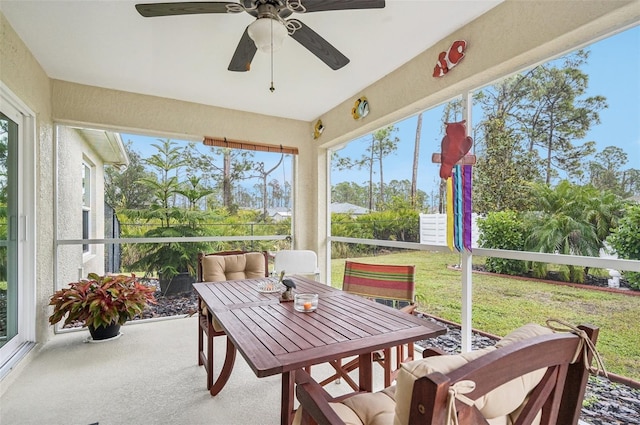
<point>260,32</point>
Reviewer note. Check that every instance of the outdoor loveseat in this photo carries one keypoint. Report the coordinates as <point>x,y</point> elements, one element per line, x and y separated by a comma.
<point>532,376</point>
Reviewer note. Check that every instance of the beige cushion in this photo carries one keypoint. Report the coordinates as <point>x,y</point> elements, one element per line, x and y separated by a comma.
<point>347,415</point>
<point>363,409</point>
<point>218,268</point>
<point>374,408</point>
<point>497,405</point>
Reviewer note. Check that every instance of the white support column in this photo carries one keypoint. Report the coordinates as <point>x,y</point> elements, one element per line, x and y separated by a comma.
<point>467,286</point>
<point>466,257</point>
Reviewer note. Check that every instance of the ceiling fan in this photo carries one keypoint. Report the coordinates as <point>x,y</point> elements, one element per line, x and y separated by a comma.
<point>271,26</point>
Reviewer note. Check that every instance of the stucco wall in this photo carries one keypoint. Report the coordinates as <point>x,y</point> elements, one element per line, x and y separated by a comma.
<point>22,74</point>
<point>73,150</point>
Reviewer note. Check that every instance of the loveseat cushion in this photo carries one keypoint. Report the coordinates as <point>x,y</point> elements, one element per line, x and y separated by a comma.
<point>218,268</point>
<point>363,409</point>
<point>374,408</point>
<point>497,405</point>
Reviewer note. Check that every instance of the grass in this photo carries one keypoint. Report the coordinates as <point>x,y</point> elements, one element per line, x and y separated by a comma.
<point>501,304</point>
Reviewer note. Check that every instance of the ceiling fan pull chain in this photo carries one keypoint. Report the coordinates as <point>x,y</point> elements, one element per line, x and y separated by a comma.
<point>272,89</point>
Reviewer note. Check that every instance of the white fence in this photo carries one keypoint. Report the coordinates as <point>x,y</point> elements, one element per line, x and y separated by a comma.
<point>433,229</point>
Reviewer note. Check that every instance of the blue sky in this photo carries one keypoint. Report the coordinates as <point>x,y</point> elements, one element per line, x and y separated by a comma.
<point>614,72</point>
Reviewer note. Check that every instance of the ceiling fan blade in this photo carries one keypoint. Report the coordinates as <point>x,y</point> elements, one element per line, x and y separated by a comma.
<point>149,10</point>
<point>322,5</point>
<point>319,47</point>
<point>246,50</point>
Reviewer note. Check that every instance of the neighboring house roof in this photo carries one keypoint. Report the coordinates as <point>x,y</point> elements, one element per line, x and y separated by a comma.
<point>346,208</point>
<point>108,145</point>
<point>281,211</point>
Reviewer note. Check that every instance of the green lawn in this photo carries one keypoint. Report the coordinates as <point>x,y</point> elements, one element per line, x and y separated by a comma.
<point>501,304</point>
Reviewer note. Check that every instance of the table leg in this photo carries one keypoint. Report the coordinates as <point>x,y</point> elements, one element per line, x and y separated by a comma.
<point>227,367</point>
<point>365,372</point>
<point>286,412</point>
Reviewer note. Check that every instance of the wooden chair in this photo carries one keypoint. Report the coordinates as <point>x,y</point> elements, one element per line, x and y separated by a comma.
<point>393,285</point>
<point>217,267</point>
<point>530,375</point>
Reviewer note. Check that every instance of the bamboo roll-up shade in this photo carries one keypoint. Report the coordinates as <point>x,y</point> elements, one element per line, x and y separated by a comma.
<point>244,144</point>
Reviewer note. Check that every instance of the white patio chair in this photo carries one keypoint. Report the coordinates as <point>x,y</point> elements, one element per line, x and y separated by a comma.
<point>296,261</point>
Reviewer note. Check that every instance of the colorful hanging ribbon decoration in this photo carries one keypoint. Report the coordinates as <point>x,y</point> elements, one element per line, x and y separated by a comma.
<point>458,209</point>
<point>450,229</point>
<point>467,186</point>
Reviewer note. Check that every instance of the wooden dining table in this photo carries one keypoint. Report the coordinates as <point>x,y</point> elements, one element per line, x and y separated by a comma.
<point>274,338</point>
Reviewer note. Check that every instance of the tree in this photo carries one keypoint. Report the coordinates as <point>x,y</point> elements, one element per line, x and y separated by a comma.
<point>4,153</point>
<point>625,240</point>
<point>529,130</point>
<point>123,188</point>
<point>502,171</point>
<point>416,158</point>
<point>349,192</point>
<point>571,219</point>
<point>381,144</point>
<point>236,163</point>
<point>166,161</point>
<point>607,172</point>
<point>554,114</point>
<point>170,259</point>
<point>193,191</point>
<point>263,175</point>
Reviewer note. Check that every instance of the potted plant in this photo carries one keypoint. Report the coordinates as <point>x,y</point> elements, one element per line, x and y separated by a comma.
<point>102,303</point>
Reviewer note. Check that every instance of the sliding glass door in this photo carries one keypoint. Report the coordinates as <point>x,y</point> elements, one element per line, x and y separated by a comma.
<point>8,230</point>
<point>17,231</point>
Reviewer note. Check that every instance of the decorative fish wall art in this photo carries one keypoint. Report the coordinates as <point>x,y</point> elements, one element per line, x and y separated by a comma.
<point>450,58</point>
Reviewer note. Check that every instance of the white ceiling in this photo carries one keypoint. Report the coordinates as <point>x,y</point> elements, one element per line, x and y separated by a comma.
<point>106,43</point>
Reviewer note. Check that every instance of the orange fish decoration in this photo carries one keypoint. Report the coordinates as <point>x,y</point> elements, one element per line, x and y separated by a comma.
<point>450,58</point>
<point>455,145</point>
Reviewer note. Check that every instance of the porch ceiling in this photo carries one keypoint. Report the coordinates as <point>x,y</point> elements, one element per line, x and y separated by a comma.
<point>108,44</point>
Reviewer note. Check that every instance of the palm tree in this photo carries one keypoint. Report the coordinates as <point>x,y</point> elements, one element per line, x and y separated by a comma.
<point>571,219</point>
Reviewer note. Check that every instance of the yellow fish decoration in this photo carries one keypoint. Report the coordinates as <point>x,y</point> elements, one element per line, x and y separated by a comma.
<point>318,129</point>
<point>360,108</point>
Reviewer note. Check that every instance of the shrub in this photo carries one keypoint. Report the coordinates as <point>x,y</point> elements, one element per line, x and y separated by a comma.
<point>625,240</point>
<point>503,230</point>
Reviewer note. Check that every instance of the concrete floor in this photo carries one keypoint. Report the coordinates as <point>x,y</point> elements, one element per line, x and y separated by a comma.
<point>149,375</point>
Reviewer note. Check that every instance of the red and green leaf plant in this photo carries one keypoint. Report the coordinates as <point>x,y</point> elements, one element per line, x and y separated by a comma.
<point>101,300</point>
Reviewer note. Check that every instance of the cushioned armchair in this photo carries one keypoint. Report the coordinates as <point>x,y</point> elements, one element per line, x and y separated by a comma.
<point>219,267</point>
<point>532,376</point>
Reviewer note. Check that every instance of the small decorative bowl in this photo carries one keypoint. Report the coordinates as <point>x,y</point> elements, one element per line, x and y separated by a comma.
<point>305,303</point>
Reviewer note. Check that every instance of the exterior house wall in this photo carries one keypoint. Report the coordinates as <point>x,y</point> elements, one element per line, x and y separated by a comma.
<point>73,150</point>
